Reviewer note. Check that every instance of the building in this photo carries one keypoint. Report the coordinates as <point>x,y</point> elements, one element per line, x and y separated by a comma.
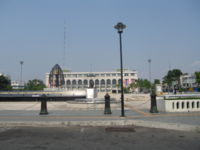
<point>188,81</point>
<point>102,81</point>
<point>17,85</point>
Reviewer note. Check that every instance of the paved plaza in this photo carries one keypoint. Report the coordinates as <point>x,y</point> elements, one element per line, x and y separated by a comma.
<point>71,113</point>
<point>84,122</point>
<point>96,138</point>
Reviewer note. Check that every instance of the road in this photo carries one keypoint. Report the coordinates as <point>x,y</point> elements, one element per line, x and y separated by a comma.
<point>96,138</point>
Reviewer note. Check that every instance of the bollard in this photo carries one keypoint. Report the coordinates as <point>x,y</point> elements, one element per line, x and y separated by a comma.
<point>107,109</point>
<point>43,110</point>
<point>153,103</point>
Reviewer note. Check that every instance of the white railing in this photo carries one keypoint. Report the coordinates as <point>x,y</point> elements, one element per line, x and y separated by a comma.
<point>179,103</point>
<point>182,96</point>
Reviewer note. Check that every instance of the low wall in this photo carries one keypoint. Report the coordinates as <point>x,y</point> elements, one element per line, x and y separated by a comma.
<point>186,105</point>
<point>127,97</point>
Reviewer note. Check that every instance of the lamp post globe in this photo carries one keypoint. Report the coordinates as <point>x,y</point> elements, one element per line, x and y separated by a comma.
<point>120,26</point>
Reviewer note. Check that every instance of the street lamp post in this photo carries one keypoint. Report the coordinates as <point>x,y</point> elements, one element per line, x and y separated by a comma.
<point>149,61</point>
<point>120,26</point>
<point>21,63</point>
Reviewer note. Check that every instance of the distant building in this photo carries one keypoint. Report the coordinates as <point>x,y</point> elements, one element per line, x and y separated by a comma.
<point>17,85</point>
<point>102,81</point>
<point>188,81</point>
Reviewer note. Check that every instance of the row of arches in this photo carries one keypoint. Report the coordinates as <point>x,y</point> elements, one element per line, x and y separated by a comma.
<point>97,83</point>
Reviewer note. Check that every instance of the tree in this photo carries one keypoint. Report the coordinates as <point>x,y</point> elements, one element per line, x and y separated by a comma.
<point>197,75</point>
<point>156,81</point>
<point>35,85</point>
<point>143,84</point>
<point>5,83</point>
<point>172,75</point>
<point>132,86</point>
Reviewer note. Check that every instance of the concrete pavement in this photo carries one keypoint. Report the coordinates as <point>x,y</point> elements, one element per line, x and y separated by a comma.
<point>92,114</point>
<point>97,138</point>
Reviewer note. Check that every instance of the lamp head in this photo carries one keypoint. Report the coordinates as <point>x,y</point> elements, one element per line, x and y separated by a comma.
<point>120,26</point>
<point>21,62</point>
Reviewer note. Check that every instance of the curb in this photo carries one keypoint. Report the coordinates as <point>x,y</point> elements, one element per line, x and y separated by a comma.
<point>103,123</point>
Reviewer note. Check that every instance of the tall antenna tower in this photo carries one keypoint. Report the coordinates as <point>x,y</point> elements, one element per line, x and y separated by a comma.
<point>64,48</point>
<point>169,64</point>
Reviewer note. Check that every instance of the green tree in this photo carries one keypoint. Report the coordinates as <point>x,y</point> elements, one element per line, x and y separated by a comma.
<point>197,75</point>
<point>126,89</point>
<point>132,86</point>
<point>172,75</point>
<point>5,83</point>
<point>35,85</point>
<point>143,84</point>
<point>156,81</point>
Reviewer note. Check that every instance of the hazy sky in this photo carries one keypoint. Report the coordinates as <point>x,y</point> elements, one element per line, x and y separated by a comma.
<point>166,31</point>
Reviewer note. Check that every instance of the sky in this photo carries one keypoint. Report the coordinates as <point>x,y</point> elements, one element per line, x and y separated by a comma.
<point>165,31</point>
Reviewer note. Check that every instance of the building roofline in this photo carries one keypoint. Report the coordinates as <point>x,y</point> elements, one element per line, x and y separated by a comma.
<point>93,72</point>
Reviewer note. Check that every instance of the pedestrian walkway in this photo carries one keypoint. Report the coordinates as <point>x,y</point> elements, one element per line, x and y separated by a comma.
<point>92,114</point>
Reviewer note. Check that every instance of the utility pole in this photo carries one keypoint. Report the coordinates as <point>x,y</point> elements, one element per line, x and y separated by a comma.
<point>21,63</point>
<point>64,49</point>
<point>149,61</point>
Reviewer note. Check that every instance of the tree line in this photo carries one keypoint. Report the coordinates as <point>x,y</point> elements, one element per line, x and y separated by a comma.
<point>143,85</point>
<point>31,85</point>
<point>172,76</point>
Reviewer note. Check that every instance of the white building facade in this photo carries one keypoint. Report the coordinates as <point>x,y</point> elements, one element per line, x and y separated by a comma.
<point>17,85</point>
<point>103,81</point>
<point>188,81</point>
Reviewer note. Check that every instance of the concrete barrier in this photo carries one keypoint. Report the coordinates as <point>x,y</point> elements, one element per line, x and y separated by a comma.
<point>178,105</point>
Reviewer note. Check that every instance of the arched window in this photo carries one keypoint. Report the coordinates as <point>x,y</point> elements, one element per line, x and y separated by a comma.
<point>85,83</point>
<point>102,83</point>
<point>74,84</point>
<point>119,82</point>
<point>68,83</point>
<point>96,83</point>
<point>79,83</point>
<point>114,82</point>
<point>91,83</point>
<point>108,83</point>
